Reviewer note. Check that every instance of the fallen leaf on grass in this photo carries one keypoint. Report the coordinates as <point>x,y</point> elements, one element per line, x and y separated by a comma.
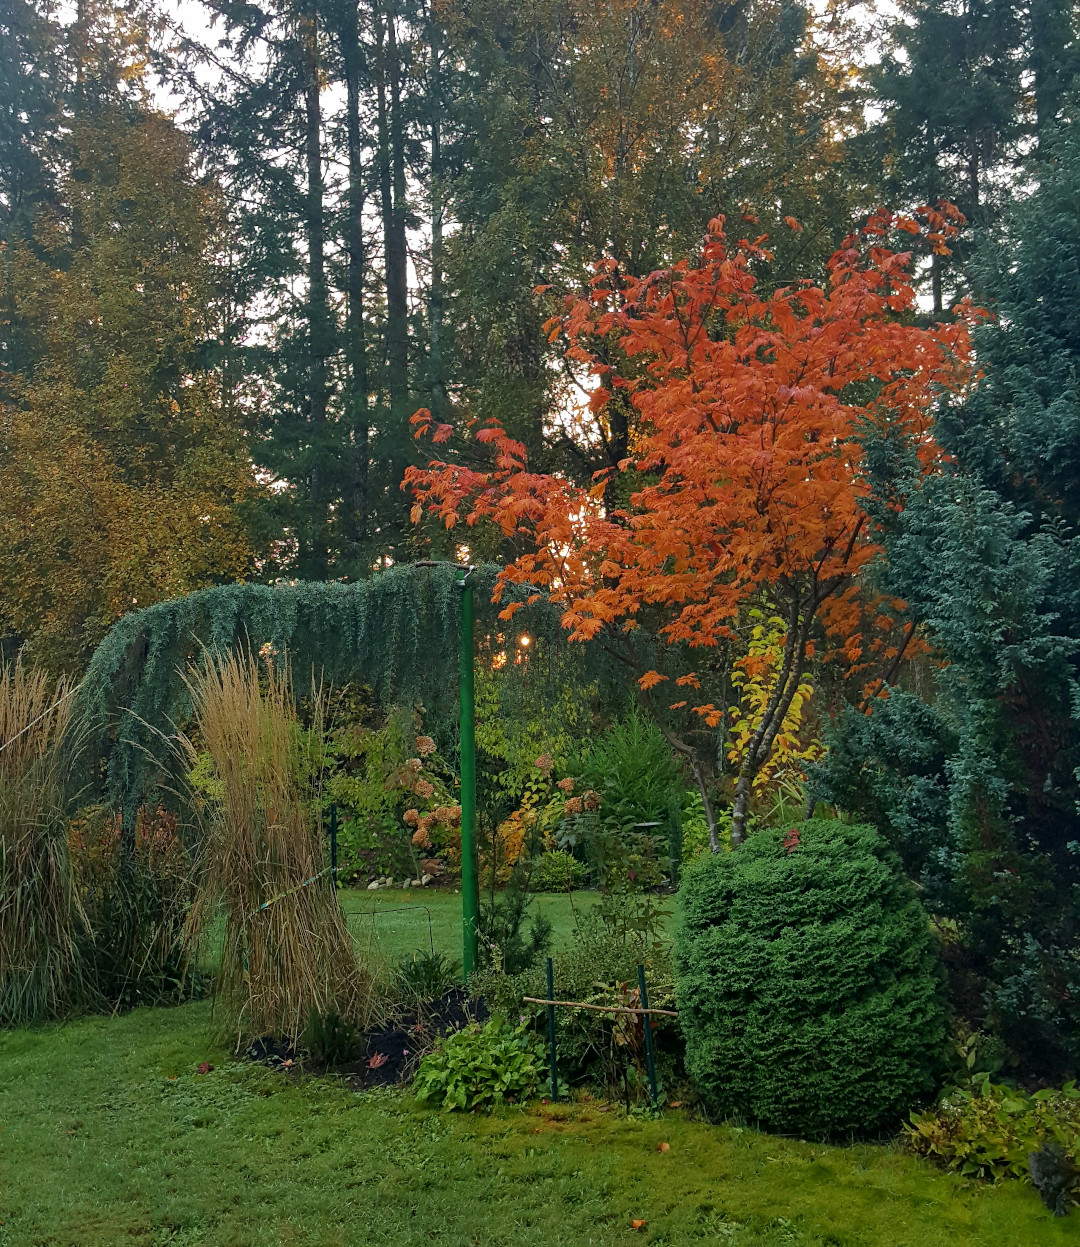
<point>675,1104</point>
<point>378,1060</point>
<point>204,1068</point>
<point>637,1225</point>
<point>663,1147</point>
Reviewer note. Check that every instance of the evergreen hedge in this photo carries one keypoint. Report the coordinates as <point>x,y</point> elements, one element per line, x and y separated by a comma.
<point>807,983</point>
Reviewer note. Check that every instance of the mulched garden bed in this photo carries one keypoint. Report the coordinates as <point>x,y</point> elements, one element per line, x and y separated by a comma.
<point>391,1052</point>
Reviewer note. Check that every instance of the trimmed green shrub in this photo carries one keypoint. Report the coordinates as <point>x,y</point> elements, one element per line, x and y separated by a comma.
<point>558,871</point>
<point>807,982</point>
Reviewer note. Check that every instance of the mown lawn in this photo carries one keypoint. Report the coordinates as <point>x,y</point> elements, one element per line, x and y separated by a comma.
<point>394,922</point>
<point>108,1135</point>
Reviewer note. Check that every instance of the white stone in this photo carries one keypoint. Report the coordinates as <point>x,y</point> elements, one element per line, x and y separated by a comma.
<point>373,885</point>
<point>426,880</point>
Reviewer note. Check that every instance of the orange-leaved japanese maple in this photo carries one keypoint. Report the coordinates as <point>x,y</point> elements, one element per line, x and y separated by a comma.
<point>745,482</point>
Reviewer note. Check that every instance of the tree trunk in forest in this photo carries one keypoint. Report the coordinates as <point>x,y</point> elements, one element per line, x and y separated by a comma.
<point>974,187</point>
<point>392,197</point>
<point>936,283</point>
<point>1051,36</point>
<point>319,330</point>
<point>355,510</point>
<point>436,383</point>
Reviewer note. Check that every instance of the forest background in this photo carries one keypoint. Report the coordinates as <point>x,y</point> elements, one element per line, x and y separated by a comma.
<point>215,326</point>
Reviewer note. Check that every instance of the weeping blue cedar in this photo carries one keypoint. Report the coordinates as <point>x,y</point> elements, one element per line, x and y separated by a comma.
<point>396,633</point>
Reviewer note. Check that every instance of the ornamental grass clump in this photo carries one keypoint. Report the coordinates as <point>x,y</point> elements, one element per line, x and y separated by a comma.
<point>38,962</point>
<point>287,951</point>
<point>808,984</point>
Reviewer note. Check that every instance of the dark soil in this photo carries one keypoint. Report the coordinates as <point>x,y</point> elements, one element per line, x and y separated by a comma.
<point>394,1050</point>
<point>391,1052</point>
<point>279,1053</point>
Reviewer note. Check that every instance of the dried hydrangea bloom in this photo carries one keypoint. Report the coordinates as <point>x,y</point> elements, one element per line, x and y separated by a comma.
<point>412,817</point>
<point>425,745</point>
<point>545,762</point>
<point>573,806</point>
<point>421,837</point>
<point>566,785</point>
<point>591,799</point>
<point>447,815</point>
<point>424,790</point>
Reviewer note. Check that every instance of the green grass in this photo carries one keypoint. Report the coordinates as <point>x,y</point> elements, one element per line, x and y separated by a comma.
<point>400,921</point>
<point>109,1136</point>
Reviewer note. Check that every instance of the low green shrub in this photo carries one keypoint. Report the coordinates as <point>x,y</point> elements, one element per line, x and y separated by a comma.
<point>420,977</point>
<point>480,1067</point>
<point>598,966</point>
<point>990,1131</point>
<point>808,985</point>
<point>558,871</point>
<point>330,1039</point>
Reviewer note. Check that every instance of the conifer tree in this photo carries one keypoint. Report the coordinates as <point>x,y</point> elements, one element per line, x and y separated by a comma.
<point>978,781</point>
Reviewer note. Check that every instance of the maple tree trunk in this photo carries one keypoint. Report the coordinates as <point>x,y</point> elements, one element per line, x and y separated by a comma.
<point>701,780</point>
<point>757,752</point>
<point>355,511</point>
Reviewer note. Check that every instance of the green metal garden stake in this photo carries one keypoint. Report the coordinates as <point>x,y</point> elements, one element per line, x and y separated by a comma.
<point>470,894</point>
<point>551,1032</point>
<point>650,1059</point>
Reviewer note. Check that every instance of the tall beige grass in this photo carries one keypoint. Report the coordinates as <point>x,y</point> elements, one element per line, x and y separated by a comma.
<point>287,949</point>
<point>38,960</point>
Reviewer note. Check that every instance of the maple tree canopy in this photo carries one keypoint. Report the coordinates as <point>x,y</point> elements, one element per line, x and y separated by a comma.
<point>746,463</point>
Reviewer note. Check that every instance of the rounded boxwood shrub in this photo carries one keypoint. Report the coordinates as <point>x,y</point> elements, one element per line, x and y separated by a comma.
<point>808,983</point>
<point>557,871</point>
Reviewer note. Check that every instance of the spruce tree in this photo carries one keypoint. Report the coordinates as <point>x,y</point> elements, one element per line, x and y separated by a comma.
<point>980,788</point>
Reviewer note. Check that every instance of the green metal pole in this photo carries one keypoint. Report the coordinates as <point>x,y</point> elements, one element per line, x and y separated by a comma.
<point>650,1060</point>
<point>470,894</point>
<point>551,1033</point>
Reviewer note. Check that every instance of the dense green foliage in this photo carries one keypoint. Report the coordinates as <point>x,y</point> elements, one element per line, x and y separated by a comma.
<point>424,976</point>
<point>988,1130</point>
<point>396,635</point>
<point>214,330</point>
<point>558,871</point>
<point>480,1067</point>
<point>971,766</point>
<point>127,478</point>
<point>807,985</point>
<point>596,963</point>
